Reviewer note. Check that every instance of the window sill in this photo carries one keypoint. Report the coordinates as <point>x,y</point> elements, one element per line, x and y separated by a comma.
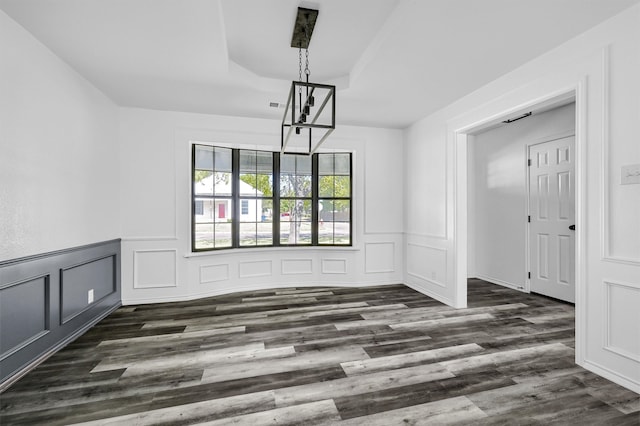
<point>249,250</point>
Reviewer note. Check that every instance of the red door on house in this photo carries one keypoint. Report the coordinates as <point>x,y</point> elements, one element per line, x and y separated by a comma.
<point>221,212</point>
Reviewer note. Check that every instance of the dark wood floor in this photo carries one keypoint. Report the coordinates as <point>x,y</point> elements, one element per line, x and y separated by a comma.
<point>358,356</point>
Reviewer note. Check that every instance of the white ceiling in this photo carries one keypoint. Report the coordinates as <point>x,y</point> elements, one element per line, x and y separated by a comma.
<point>393,61</point>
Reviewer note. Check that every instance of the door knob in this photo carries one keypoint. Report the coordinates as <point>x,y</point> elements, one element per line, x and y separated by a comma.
<point>572,227</point>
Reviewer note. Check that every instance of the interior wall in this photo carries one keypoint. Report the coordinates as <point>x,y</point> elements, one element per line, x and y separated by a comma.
<point>155,186</point>
<point>497,194</point>
<point>602,65</point>
<point>58,152</point>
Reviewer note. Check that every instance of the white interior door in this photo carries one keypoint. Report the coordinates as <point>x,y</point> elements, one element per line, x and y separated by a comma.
<point>552,210</point>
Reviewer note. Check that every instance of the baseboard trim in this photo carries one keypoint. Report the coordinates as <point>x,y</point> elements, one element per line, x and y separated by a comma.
<point>501,282</point>
<point>431,294</point>
<point>611,375</point>
<point>220,292</point>
<point>42,358</point>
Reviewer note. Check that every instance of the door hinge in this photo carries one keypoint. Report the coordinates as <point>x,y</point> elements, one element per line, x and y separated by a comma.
<point>529,219</point>
<point>529,275</point>
<point>529,162</point>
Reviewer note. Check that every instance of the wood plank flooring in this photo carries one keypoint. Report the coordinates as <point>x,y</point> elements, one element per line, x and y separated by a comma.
<point>355,356</point>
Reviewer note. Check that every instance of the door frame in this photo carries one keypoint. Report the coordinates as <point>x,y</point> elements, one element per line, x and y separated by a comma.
<point>459,132</point>
<point>527,238</point>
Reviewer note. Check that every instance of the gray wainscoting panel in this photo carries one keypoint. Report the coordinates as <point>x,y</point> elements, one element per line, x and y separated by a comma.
<point>45,304</point>
<point>77,282</point>
<point>24,313</point>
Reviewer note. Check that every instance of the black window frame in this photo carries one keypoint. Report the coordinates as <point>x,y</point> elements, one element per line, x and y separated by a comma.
<point>276,218</point>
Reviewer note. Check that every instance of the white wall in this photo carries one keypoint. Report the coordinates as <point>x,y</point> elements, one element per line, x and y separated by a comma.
<point>602,66</point>
<point>498,194</point>
<point>157,262</point>
<point>58,152</point>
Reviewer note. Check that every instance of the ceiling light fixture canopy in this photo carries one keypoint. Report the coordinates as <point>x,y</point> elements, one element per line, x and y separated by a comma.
<point>303,112</point>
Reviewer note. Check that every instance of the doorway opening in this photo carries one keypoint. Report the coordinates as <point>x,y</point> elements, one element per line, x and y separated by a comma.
<point>463,131</point>
<point>520,194</point>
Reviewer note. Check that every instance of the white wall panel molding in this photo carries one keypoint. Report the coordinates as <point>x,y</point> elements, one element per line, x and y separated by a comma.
<point>605,158</point>
<point>428,263</point>
<point>380,257</point>
<point>296,266</point>
<point>622,327</point>
<point>214,273</point>
<point>155,268</point>
<point>334,266</point>
<point>254,269</point>
<point>427,236</point>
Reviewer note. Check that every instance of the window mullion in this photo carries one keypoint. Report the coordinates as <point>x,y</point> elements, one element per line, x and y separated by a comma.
<point>276,199</point>
<point>235,198</point>
<point>314,199</point>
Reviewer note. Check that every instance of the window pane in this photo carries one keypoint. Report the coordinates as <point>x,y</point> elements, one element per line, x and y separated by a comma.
<point>342,210</point>
<point>223,159</point>
<point>326,212</point>
<point>342,185</point>
<point>341,233</point>
<point>248,185</point>
<point>203,182</point>
<point>264,162</point>
<point>203,210</point>
<point>287,163</point>
<point>325,164</point>
<point>264,185</point>
<point>222,211</point>
<point>303,164</point>
<point>326,186</point>
<point>267,211</point>
<point>204,157</point>
<point>203,238</point>
<point>223,235</point>
<point>250,210</point>
<point>295,186</point>
<point>265,234</point>
<point>248,232</point>
<point>295,233</point>
<point>342,164</point>
<point>222,184</point>
<point>247,161</point>
<point>335,210</point>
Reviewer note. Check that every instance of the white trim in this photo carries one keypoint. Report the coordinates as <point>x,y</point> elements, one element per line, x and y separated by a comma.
<point>255,275</point>
<point>226,278</point>
<point>420,289</point>
<point>160,238</point>
<point>442,283</point>
<point>136,285</point>
<point>607,328</point>
<point>458,141</point>
<point>328,272</point>
<point>611,375</point>
<point>252,287</point>
<point>580,168</point>
<point>380,271</point>
<point>429,236</point>
<point>605,226</point>
<point>283,261</point>
<point>250,250</point>
<point>502,283</point>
